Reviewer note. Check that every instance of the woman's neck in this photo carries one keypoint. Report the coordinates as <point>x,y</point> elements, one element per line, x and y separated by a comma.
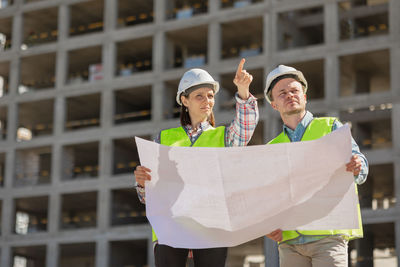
<point>196,123</point>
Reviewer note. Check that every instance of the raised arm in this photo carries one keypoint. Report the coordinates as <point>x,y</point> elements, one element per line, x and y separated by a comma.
<point>241,129</point>
<point>242,81</point>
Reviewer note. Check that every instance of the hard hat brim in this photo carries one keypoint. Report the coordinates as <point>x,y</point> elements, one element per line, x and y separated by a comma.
<point>297,73</point>
<point>215,88</point>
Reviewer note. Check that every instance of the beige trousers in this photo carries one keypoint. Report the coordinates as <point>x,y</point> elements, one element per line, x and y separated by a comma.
<point>327,252</point>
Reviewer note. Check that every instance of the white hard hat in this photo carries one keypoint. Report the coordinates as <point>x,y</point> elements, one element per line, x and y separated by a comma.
<point>280,71</point>
<point>193,78</point>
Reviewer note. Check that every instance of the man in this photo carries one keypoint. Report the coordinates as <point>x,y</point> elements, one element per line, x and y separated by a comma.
<point>286,90</point>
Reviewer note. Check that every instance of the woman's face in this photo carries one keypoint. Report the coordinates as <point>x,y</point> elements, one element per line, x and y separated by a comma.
<point>200,103</point>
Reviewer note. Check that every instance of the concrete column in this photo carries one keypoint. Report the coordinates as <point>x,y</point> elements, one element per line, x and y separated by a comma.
<point>108,59</point>
<point>332,76</point>
<point>54,213</point>
<point>214,44</point>
<point>110,15</point>
<point>61,57</point>
<point>168,52</point>
<point>12,122</point>
<point>61,68</point>
<point>59,115</point>
<point>213,6</point>
<point>394,11</point>
<point>273,35</point>
<point>58,122</point>
<point>9,171</point>
<point>106,112</point>
<point>157,101</point>
<point>103,209</point>
<point>105,159</point>
<point>159,42</point>
<point>14,78</point>
<point>331,25</point>
<point>105,148</point>
<point>57,165</point>
<point>8,219</point>
<point>159,11</point>
<point>5,259</point>
<point>271,253</point>
<point>17,31</point>
<point>268,46</point>
<point>63,22</point>
<point>52,254</point>
<point>102,253</point>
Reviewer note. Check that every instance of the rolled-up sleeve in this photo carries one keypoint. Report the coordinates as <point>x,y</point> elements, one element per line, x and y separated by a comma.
<point>141,193</point>
<point>241,129</point>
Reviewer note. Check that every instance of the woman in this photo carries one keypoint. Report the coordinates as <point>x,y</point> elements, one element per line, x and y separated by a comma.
<point>196,96</point>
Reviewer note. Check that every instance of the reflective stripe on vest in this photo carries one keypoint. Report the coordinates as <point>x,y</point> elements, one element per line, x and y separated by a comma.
<point>317,128</point>
<point>178,137</point>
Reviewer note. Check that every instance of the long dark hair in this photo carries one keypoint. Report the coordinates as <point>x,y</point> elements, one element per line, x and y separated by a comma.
<point>185,118</point>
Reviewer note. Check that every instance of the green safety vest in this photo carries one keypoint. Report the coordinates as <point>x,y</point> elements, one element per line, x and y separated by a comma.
<point>178,137</point>
<point>318,128</point>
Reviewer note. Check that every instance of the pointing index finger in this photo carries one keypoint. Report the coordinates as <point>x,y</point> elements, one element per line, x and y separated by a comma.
<point>240,66</point>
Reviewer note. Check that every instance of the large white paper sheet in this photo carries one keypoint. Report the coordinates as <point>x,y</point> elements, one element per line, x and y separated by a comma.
<point>215,197</point>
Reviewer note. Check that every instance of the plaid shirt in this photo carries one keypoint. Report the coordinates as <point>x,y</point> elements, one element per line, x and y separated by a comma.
<point>238,133</point>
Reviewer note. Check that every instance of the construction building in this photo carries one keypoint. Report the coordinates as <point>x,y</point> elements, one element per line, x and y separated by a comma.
<point>79,79</point>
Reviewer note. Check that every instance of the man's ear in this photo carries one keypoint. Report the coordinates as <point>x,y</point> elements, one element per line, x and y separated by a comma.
<point>273,105</point>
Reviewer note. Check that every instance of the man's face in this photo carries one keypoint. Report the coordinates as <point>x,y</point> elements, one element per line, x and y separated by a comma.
<point>288,97</point>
